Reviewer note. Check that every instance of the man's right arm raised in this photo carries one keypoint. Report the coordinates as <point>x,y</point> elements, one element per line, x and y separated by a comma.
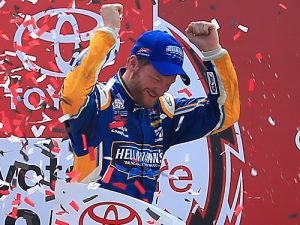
<point>81,81</point>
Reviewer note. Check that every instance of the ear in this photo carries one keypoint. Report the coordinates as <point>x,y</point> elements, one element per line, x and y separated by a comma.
<point>132,63</point>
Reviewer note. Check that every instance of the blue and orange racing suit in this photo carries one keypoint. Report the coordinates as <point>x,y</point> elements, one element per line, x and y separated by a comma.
<point>121,145</point>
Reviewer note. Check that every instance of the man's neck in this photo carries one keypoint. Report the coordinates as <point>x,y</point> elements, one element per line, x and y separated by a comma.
<point>125,77</point>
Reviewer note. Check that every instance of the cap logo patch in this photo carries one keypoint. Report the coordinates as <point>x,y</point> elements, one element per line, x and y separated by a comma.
<point>144,52</point>
<point>174,51</point>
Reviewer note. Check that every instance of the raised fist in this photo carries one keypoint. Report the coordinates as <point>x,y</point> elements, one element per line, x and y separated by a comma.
<point>111,15</point>
<point>203,35</point>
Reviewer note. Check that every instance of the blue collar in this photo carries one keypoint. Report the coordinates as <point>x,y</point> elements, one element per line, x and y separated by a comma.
<point>123,90</point>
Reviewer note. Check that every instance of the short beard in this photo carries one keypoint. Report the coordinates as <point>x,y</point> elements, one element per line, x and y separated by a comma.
<point>140,100</point>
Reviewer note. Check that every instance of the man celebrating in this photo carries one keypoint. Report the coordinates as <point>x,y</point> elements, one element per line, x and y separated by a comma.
<point>120,130</point>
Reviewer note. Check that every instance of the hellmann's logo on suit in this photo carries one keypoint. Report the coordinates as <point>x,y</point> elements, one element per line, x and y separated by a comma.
<point>130,155</point>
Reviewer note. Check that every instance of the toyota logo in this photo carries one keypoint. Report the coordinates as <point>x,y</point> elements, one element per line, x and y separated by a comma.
<point>110,213</point>
<point>56,38</point>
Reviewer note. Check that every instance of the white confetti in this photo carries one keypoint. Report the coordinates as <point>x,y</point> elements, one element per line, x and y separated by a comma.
<point>69,157</point>
<point>2,3</point>
<point>223,151</point>
<point>30,57</point>
<point>8,95</point>
<point>195,208</point>
<point>30,151</point>
<point>253,172</point>
<point>3,183</point>
<point>297,139</point>
<point>1,125</point>
<point>165,174</point>
<point>14,139</point>
<point>107,158</point>
<point>41,78</point>
<point>2,199</point>
<point>34,35</point>
<point>27,18</point>
<point>6,84</point>
<point>192,192</point>
<point>271,121</point>
<point>215,22</point>
<point>110,63</point>
<point>243,28</point>
<point>21,15</point>
<point>36,179</point>
<point>33,189</point>
<point>47,142</point>
<point>73,5</point>
<point>10,53</point>
<point>186,157</point>
<point>174,177</point>
<point>33,1</point>
<point>64,118</point>
<point>254,197</point>
<point>16,77</point>
<point>16,70</point>
<point>179,123</point>
<point>93,186</point>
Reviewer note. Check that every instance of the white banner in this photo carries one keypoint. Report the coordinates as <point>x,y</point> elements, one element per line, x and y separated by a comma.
<point>88,204</point>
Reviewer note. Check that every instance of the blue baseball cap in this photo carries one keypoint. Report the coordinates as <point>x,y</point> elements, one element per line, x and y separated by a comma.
<point>163,52</point>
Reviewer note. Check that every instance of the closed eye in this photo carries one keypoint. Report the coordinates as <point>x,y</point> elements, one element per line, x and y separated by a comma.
<point>156,79</point>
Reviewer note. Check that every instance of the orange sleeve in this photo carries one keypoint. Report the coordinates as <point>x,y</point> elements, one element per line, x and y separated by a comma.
<point>229,84</point>
<point>81,80</point>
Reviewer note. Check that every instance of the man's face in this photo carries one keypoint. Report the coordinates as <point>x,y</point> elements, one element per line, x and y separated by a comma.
<point>148,85</point>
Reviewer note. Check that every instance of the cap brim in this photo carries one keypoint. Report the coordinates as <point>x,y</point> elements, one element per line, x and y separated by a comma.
<point>169,69</point>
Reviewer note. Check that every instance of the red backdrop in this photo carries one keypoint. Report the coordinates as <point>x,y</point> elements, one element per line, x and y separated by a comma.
<point>265,57</point>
